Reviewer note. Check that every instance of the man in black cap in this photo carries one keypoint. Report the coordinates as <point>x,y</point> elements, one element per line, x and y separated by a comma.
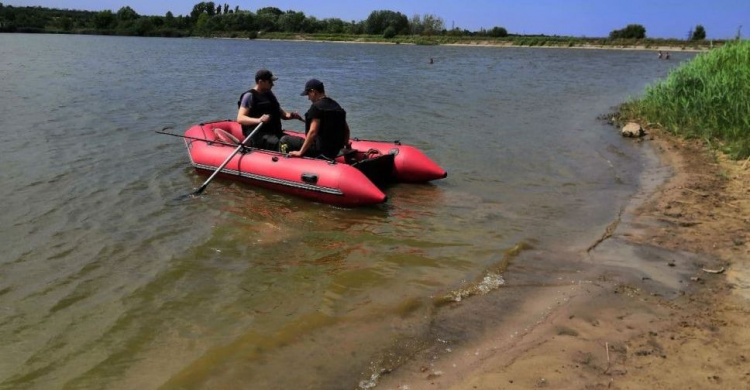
<point>325,126</point>
<point>258,105</point>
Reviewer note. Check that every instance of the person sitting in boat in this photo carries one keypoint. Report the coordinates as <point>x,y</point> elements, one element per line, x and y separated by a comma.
<point>258,105</point>
<point>325,126</point>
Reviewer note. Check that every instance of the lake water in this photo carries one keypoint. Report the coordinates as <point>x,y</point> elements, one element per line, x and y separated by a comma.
<point>108,282</point>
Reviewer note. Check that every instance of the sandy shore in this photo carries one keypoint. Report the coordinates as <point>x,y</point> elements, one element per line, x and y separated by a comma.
<point>666,305</point>
<point>490,44</point>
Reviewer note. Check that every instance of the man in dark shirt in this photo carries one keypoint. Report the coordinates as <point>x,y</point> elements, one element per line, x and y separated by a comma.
<point>258,105</point>
<point>325,125</point>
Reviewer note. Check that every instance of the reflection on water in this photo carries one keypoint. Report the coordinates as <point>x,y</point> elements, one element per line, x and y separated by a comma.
<point>107,281</point>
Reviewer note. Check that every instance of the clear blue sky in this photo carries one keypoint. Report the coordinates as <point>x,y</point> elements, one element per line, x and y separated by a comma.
<point>590,18</point>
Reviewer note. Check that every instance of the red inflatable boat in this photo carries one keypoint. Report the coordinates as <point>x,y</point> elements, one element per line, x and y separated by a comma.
<point>351,180</point>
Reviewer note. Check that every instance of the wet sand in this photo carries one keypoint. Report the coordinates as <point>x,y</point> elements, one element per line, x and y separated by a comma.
<point>660,301</point>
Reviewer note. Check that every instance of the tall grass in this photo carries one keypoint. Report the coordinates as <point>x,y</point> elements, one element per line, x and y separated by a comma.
<point>708,98</point>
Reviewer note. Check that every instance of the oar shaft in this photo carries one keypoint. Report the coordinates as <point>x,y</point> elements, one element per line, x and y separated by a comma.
<point>214,141</point>
<point>205,184</point>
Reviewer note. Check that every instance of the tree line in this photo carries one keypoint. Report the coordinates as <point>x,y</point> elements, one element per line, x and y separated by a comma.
<point>637,31</point>
<point>214,19</point>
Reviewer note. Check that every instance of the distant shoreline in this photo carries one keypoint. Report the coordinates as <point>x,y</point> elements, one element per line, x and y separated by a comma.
<point>502,45</point>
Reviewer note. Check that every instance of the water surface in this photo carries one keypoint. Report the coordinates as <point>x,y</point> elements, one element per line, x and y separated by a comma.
<point>107,282</point>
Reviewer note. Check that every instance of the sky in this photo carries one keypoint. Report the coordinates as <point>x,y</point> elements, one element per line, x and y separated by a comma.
<point>579,18</point>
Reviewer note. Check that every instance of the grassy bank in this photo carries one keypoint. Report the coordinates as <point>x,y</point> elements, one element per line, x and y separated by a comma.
<point>708,98</point>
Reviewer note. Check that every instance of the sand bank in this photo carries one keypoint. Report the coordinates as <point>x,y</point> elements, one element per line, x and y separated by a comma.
<point>663,304</point>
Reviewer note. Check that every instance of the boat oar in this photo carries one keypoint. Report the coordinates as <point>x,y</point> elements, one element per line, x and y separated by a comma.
<point>242,144</point>
<point>210,141</point>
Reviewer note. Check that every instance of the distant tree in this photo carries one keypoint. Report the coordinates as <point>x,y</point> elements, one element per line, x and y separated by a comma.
<point>269,10</point>
<point>126,14</point>
<point>169,19</point>
<point>268,18</point>
<point>103,20</point>
<point>632,31</point>
<point>379,21</point>
<point>356,28</point>
<point>291,21</point>
<point>698,34</point>
<point>65,23</point>
<point>415,25</point>
<point>202,24</point>
<point>334,26</point>
<point>143,26</point>
<point>203,7</point>
<point>226,8</point>
<point>498,32</point>
<point>432,24</point>
<point>313,25</point>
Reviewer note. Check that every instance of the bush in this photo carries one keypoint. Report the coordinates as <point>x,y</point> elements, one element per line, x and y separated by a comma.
<point>704,98</point>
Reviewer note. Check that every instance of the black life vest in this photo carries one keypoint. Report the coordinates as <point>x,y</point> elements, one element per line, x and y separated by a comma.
<point>332,131</point>
<point>262,104</point>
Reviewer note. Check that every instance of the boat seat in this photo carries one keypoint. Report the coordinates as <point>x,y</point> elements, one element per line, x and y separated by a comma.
<point>225,136</point>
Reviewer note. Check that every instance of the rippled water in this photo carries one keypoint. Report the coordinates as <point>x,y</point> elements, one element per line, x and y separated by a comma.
<point>107,282</point>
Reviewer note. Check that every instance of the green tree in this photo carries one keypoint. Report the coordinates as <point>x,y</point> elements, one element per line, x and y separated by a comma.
<point>267,18</point>
<point>415,25</point>
<point>632,31</point>
<point>498,32</point>
<point>202,24</point>
<point>699,33</point>
<point>291,21</point>
<point>126,14</point>
<point>143,26</point>
<point>169,19</point>
<point>65,23</point>
<point>379,21</point>
<point>103,20</point>
<point>334,26</point>
<point>432,24</point>
<point>203,7</point>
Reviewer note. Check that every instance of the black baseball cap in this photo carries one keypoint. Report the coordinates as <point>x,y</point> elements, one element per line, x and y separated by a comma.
<point>265,74</point>
<point>313,84</point>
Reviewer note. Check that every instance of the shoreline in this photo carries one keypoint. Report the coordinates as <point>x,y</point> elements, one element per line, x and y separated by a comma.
<point>488,44</point>
<point>666,306</point>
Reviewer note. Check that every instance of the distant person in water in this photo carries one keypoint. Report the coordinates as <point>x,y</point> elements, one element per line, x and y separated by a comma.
<point>431,61</point>
<point>660,55</point>
<point>666,56</point>
<point>258,105</point>
<point>325,126</point>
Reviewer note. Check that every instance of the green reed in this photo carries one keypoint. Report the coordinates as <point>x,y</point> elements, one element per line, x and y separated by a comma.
<point>708,98</point>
